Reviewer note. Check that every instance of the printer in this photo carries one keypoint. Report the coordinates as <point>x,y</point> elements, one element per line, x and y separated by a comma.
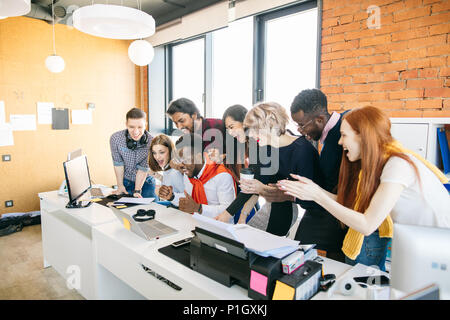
<point>228,262</point>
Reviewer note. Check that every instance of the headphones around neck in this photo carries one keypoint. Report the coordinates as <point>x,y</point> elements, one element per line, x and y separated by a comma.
<point>144,215</point>
<point>132,144</point>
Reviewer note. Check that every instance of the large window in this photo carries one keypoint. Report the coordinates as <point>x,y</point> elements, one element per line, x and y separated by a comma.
<point>267,57</point>
<point>290,57</point>
<point>232,66</point>
<point>188,72</point>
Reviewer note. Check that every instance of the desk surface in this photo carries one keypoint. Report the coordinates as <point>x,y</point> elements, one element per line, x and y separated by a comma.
<point>169,268</point>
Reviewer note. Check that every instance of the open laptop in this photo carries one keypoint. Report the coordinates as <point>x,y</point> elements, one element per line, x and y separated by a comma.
<point>149,230</point>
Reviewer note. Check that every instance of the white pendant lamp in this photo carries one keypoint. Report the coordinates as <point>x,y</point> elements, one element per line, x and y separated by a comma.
<point>3,18</point>
<point>54,63</point>
<point>14,8</point>
<point>141,52</point>
<point>113,22</point>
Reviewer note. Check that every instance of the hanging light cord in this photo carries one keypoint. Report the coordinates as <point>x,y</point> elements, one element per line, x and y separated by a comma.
<point>53,27</point>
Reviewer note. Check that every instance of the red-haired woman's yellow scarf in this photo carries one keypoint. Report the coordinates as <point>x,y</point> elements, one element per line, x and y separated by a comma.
<point>353,240</point>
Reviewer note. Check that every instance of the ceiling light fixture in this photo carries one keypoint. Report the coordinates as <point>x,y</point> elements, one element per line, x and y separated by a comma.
<point>14,8</point>
<point>114,21</point>
<point>53,62</point>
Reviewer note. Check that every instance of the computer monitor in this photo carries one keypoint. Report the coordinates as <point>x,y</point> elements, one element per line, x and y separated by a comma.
<point>77,179</point>
<point>74,154</point>
<point>420,257</point>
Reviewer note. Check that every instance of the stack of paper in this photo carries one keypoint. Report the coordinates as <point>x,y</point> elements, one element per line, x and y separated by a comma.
<point>260,242</point>
<point>134,200</point>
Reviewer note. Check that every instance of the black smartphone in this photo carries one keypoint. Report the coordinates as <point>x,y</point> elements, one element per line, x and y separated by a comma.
<point>381,280</point>
<point>180,243</point>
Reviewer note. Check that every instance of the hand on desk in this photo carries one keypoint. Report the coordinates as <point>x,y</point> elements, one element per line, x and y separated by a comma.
<point>120,190</point>
<point>188,204</point>
<point>224,216</point>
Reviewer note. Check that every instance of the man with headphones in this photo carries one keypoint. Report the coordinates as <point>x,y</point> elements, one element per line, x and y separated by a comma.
<point>129,150</point>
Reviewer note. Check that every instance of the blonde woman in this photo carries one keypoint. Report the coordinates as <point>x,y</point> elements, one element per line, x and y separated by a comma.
<point>266,123</point>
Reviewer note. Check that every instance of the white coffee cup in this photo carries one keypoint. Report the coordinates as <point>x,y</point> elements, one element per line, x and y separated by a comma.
<point>246,174</point>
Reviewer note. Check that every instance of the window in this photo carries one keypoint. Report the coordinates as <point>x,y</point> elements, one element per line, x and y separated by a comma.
<point>232,66</point>
<point>188,72</point>
<point>267,57</point>
<point>287,51</point>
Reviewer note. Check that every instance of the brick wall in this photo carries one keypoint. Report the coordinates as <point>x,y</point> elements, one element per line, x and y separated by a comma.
<point>402,66</point>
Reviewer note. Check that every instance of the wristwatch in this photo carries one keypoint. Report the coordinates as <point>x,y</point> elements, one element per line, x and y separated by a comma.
<point>200,209</point>
<point>137,191</point>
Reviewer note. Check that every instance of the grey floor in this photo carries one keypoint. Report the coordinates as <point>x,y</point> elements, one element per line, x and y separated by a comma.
<point>22,275</point>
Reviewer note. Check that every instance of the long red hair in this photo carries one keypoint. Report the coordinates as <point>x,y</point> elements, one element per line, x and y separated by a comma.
<point>374,128</point>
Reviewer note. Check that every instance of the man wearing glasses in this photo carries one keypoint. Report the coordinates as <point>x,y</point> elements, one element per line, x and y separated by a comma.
<point>309,111</point>
<point>208,187</point>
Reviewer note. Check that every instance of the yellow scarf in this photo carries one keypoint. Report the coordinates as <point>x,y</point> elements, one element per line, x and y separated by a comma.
<point>353,240</point>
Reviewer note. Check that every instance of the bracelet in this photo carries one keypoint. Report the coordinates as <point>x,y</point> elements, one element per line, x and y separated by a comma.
<point>137,191</point>
<point>200,209</point>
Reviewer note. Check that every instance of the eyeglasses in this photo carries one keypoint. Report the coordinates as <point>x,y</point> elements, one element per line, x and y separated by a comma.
<point>301,128</point>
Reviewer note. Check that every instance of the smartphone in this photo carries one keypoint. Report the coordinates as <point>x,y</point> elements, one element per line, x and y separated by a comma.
<point>180,243</point>
<point>381,280</point>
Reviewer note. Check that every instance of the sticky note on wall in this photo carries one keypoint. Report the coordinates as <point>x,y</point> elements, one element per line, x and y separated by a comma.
<point>283,291</point>
<point>258,282</point>
<point>126,224</point>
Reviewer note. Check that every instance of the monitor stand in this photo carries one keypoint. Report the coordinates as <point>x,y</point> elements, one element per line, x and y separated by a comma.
<point>77,204</point>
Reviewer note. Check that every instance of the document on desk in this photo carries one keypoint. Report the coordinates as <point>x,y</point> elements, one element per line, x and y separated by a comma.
<point>260,242</point>
<point>134,200</point>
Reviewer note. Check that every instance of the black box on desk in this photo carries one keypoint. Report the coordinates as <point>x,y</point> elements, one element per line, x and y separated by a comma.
<point>264,271</point>
<point>299,285</point>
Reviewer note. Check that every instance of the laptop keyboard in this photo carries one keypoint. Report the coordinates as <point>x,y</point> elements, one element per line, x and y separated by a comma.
<point>156,228</point>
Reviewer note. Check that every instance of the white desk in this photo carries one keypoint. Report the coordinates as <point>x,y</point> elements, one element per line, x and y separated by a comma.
<point>67,238</point>
<point>110,257</point>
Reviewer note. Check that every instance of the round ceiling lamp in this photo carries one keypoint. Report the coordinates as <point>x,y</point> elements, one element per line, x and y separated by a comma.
<point>14,8</point>
<point>55,63</point>
<point>113,22</point>
<point>141,52</point>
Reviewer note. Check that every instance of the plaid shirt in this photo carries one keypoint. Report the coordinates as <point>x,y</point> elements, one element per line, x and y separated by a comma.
<point>131,160</point>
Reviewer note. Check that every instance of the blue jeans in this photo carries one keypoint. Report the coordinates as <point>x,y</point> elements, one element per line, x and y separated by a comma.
<point>373,252</point>
<point>148,188</point>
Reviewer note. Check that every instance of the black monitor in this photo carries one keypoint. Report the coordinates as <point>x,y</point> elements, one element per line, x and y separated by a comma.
<point>77,179</point>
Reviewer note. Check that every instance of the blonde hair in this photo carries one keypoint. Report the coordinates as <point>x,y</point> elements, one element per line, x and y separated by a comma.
<point>268,116</point>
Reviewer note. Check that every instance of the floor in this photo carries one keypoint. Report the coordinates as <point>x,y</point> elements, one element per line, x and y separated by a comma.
<point>22,275</point>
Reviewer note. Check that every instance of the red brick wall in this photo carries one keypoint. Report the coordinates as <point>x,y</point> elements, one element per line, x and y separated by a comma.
<point>402,67</point>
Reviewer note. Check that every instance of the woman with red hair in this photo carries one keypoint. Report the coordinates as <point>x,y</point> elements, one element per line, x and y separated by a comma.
<point>379,182</point>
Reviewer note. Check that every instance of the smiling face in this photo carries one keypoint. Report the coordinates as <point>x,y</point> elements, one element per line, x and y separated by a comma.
<point>309,125</point>
<point>184,122</point>
<point>235,129</point>
<point>161,155</point>
<point>136,128</point>
<point>350,142</point>
<point>190,165</point>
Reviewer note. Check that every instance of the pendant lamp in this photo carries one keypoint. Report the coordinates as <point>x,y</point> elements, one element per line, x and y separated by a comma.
<point>14,8</point>
<point>114,22</point>
<point>53,62</point>
<point>141,52</point>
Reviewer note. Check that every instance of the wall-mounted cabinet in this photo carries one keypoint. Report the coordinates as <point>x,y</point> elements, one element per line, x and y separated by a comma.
<point>420,135</point>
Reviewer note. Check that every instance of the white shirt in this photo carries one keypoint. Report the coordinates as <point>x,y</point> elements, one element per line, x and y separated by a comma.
<point>173,178</point>
<point>428,205</point>
<point>219,191</point>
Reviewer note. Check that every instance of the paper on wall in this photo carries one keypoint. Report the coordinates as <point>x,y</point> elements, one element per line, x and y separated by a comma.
<point>6,135</point>
<point>44,111</point>
<point>23,122</point>
<point>2,112</point>
<point>81,117</point>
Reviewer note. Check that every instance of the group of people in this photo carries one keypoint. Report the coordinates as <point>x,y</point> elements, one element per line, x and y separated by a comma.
<point>353,190</point>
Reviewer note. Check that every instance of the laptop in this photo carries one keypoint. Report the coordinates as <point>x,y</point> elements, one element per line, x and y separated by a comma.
<point>148,230</point>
